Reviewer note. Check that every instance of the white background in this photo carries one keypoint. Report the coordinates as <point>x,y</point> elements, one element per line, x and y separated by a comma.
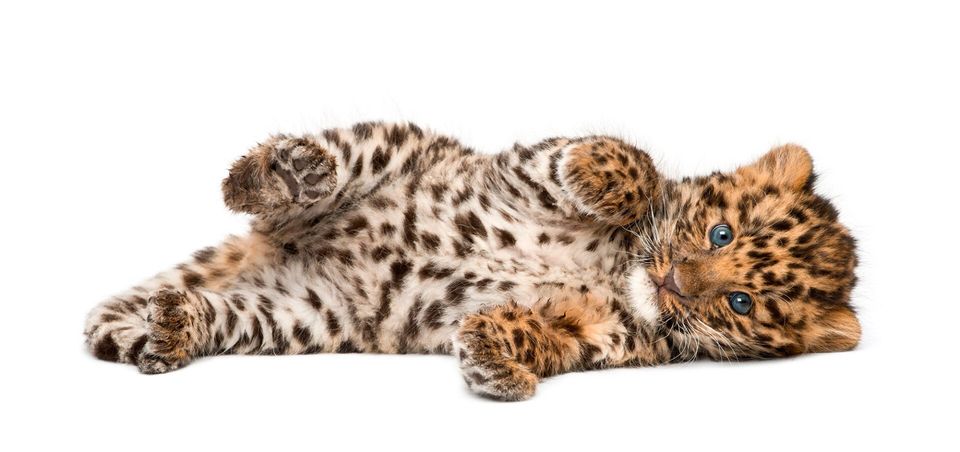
<point>117,123</point>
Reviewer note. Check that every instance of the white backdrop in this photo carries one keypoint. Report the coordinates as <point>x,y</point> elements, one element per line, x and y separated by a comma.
<point>118,121</point>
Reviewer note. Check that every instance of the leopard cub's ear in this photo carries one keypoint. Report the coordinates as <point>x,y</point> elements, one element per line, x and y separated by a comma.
<point>788,166</point>
<point>836,330</point>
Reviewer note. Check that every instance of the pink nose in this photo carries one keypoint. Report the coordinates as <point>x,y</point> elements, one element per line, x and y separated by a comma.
<point>670,282</point>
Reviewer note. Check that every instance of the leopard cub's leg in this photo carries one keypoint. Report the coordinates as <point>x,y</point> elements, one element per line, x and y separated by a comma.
<point>283,172</point>
<point>610,179</point>
<point>505,350</point>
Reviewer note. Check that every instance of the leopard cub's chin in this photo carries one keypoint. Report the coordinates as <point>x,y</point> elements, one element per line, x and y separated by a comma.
<point>642,294</point>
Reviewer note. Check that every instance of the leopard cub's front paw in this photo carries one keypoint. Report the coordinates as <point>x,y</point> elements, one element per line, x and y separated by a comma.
<point>281,172</point>
<point>610,179</point>
<point>488,372</point>
<point>510,383</point>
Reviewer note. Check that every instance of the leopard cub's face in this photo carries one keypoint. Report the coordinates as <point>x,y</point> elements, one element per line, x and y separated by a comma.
<point>752,263</point>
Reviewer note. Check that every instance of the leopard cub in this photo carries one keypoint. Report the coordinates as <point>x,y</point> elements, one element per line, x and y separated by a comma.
<point>571,254</point>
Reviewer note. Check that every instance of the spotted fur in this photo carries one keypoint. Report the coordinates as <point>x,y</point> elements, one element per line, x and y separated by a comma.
<point>567,255</point>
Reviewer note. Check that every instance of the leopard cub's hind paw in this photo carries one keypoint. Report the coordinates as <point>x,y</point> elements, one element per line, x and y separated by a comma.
<point>281,172</point>
<point>171,336</point>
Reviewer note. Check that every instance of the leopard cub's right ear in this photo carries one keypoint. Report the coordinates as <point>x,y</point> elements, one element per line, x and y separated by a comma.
<point>836,330</point>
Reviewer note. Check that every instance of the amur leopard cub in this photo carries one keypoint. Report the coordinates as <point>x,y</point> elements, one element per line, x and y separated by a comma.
<point>568,255</point>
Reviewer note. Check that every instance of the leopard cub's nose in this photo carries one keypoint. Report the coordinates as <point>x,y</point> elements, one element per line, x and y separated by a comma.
<point>670,281</point>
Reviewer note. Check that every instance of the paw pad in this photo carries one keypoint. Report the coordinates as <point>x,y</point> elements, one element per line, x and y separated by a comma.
<point>305,169</point>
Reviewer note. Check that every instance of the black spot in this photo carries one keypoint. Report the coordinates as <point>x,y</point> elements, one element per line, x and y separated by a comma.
<point>506,238</point>
<point>462,196</point>
<point>357,169</point>
<point>302,334</point>
<point>355,225</point>
<point>461,249</point>
<point>793,292</point>
<point>456,291</point>
<point>713,198</point>
<point>232,319</point>
<point>518,338</point>
<point>386,299</point>
<point>205,255</point>
<point>396,136</point>
<point>782,225</point>
<point>822,208</point>
<point>345,257</point>
<point>760,255</point>
<point>484,201</point>
<point>109,318</point>
<point>411,329</point>
<point>433,316</point>
<point>399,270</point>
<point>433,271</point>
<point>546,200</point>
<point>410,226</point>
<point>798,215</point>
<point>525,154</point>
<point>312,298</point>
<point>363,131</point>
<point>825,297</point>
<point>107,349</point>
<point>136,348</point>
<point>430,241</point>
<point>380,253</point>
<point>415,130</point>
<point>333,325</point>
<point>469,225</point>
<point>347,346</point>
<point>387,229</point>
<point>774,311</point>
<point>192,279</point>
<point>438,190</point>
<point>588,353</point>
<point>379,160</point>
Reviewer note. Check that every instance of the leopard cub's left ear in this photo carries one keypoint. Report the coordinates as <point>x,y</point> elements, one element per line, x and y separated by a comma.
<point>787,166</point>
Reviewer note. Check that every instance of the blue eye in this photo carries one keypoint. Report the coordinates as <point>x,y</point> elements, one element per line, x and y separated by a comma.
<point>740,302</point>
<point>721,235</point>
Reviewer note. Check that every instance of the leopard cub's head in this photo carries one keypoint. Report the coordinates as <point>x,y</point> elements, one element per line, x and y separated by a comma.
<point>753,263</point>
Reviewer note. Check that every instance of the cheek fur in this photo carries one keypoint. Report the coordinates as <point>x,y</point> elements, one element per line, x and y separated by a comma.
<point>643,295</point>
